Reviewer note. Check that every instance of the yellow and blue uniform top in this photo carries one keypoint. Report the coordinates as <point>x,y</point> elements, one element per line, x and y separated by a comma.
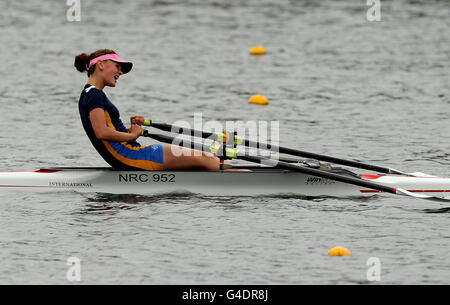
<point>120,155</point>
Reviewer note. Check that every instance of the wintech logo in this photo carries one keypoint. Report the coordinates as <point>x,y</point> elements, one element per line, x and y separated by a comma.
<point>318,180</point>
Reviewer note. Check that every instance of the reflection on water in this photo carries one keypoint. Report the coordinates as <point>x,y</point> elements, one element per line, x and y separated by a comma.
<point>437,211</point>
<point>434,155</point>
<point>111,204</point>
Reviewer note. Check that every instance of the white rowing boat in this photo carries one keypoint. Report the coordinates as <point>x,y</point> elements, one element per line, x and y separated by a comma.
<point>292,177</point>
<point>259,181</point>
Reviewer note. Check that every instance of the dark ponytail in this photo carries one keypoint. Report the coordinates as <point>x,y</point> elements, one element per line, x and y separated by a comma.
<point>82,60</point>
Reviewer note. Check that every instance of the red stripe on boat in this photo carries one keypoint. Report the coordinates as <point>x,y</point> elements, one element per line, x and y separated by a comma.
<point>36,171</point>
<point>371,176</point>
<point>46,171</point>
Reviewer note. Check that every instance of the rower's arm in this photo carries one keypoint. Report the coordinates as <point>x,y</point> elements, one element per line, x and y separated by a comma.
<point>103,132</point>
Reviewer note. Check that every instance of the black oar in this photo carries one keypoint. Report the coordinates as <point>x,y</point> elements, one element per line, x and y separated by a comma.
<point>220,137</point>
<point>234,154</point>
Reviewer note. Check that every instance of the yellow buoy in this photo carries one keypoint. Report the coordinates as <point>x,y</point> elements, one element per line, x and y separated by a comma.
<point>258,99</point>
<point>258,50</point>
<point>339,251</point>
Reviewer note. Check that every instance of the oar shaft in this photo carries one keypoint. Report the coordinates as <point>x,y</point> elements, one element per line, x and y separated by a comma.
<point>282,150</point>
<point>305,154</point>
<point>285,165</point>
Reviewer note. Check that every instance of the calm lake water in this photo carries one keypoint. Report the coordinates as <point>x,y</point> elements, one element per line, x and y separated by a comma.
<point>337,84</point>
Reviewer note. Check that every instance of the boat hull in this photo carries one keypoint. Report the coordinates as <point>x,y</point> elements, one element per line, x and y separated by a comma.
<point>265,182</point>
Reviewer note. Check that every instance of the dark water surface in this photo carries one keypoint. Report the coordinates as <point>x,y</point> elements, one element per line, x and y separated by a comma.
<point>338,84</point>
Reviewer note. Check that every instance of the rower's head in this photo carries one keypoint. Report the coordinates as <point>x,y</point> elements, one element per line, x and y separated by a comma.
<point>104,65</point>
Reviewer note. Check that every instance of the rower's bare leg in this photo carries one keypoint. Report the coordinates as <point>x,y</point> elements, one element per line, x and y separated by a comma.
<point>176,158</point>
<point>179,158</point>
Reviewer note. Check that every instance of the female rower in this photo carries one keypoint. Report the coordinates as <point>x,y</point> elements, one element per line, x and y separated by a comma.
<point>115,143</point>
